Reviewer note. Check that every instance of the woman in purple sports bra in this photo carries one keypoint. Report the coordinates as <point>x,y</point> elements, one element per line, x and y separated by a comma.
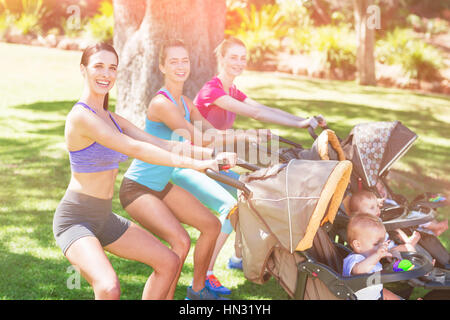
<point>97,139</point>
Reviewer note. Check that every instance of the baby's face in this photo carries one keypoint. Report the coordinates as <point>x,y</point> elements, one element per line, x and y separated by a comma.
<point>369,240</point>
<point>371,206</point>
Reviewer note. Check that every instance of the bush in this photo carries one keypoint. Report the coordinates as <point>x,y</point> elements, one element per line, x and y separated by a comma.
<point>30,17</point>
<point>296,15</point>
<point>300,40</point>
<point>297,19</point>
<point>428,26</point>
<point>337,44</point>
<point>422,61</point>
<point>6,19</point>
<point>233,18</point>
<point>101,26</point>
<point>390,49</point>
<point>418,59</point>
<point>70,30</point>
<point>261,30</point>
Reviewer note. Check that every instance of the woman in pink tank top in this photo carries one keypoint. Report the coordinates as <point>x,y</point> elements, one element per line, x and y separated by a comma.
<point>219,100</point>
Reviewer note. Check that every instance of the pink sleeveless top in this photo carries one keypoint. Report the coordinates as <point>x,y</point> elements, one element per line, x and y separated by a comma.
<point>212,90</point>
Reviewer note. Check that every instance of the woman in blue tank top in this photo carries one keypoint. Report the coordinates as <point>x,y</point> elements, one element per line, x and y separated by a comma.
<point>146,192</point>
<point>84,225</point>
<point>168,111</point>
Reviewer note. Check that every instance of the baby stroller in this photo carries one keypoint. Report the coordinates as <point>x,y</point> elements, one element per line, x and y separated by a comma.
<point>373,148</point>
<point>283,215</point>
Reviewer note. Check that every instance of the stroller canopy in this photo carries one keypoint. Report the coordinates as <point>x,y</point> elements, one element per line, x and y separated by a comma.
<point>374,147</point>
<point>287,205</point>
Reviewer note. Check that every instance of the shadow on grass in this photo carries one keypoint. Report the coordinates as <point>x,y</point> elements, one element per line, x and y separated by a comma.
<point>26,277</point>
<point>271,290</point>
<point>56,107</point>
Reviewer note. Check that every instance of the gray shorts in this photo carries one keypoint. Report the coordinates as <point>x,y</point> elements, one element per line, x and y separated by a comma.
<point>79,215</point>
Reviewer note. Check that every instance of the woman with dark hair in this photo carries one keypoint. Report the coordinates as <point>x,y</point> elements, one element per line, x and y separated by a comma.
<point>84,225</point>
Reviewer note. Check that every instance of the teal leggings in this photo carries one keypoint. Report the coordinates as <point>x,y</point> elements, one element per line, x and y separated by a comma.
<point>215,195</point>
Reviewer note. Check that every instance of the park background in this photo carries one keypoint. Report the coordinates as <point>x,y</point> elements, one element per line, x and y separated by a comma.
<point>303,58</point>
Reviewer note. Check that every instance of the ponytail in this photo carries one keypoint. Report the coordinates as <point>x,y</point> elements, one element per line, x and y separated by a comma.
<point>106,101</point>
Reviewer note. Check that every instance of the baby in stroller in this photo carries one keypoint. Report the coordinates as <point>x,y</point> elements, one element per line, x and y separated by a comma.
<point>373,148</point>
<point>366,236</point>
<point>366,202</point>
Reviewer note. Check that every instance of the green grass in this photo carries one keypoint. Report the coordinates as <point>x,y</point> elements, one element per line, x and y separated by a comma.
<point>37,89</point>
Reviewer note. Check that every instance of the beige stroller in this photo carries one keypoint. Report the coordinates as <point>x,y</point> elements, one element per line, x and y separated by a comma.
<point>281,225</point>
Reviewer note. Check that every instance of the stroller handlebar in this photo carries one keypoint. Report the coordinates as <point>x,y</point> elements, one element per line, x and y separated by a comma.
<point>311,130</point>
<point>292,143</point>
<point>230,181</point>
<point>248,166</point>
<point>227,180</point>
<point>312,133</point>
<point>400,223</point>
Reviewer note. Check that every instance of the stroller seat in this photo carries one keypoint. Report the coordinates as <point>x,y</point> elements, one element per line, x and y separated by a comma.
<point>324,262</point>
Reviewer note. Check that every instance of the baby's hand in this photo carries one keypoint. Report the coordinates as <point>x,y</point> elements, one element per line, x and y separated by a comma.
<point>414,239</point>
<point>383,250</point>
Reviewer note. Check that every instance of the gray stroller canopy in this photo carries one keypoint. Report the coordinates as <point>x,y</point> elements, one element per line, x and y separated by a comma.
<point>374,147</point>
<point>286,206</point>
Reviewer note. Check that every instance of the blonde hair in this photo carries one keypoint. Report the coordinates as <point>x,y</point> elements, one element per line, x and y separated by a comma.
<point>357,199</point>
<point>360,222</point>
<point>223,47</point>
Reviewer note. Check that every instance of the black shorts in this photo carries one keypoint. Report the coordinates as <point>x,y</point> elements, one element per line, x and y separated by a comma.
<point>130,190</point>
<point>79,215</point>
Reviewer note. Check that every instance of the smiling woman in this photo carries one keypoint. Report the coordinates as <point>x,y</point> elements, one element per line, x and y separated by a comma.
<point>147,193</point>
<point>84,225</point>
<point>107,60</point>
<point>219,100</point>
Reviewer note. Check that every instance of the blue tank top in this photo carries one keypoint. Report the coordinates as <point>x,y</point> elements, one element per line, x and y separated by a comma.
<point>95,157</point>
<point>153,176</point>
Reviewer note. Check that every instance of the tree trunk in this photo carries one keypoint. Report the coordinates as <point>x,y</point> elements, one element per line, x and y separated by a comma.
<point>141,27</point>
<point>320,12</point>
<point>365,35</point>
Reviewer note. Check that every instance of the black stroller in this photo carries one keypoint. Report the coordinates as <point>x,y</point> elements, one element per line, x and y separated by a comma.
<point>284,213</point>
<point>373,148</point>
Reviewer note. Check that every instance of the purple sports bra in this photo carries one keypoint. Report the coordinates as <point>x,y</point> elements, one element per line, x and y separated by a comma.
<point>96,157</point>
